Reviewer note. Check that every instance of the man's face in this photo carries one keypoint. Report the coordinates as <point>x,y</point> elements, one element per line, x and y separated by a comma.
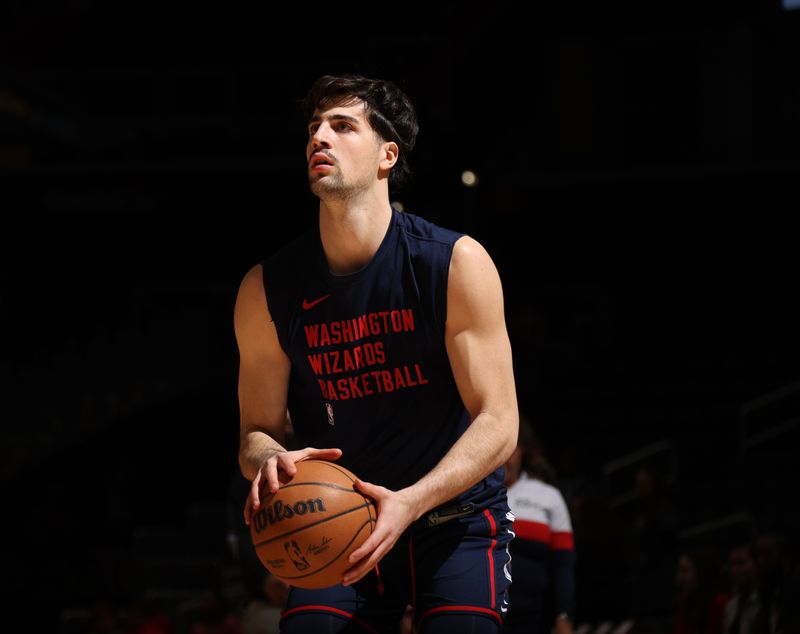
<point>742,569</point>
<point>686,574</point>
<point>768,557</point>
<point>343,151</point>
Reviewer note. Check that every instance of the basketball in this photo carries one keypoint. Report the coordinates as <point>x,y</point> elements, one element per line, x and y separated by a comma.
<point>304,533</point>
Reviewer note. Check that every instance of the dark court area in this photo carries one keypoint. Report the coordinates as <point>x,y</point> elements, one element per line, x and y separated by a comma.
<point>632,170</point>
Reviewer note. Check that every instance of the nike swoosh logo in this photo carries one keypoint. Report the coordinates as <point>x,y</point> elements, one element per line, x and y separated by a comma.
<point>308,305</point>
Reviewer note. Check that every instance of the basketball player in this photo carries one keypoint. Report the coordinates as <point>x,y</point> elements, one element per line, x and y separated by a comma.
<point>384,337</point>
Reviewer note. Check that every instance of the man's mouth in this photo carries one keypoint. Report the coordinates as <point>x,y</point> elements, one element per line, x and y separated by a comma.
<point>320,160</point>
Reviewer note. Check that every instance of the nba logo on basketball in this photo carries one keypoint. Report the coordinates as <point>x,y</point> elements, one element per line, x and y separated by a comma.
<point>329,410</point>
<point>296,555</point>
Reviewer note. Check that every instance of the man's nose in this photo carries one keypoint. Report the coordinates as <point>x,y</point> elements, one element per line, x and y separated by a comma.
<point>320,138</point>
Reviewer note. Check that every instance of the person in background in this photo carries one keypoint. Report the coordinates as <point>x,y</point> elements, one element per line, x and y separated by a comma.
<point>778,583</point>
<point>741,610</point>
<point>701,602</point>
<point>542,596</point>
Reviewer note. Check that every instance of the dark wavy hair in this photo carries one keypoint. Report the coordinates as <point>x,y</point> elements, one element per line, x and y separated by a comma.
<point>534,459</point>
<point>389,111</point>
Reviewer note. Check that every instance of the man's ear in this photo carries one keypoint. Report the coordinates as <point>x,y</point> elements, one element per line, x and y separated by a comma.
<point>391,152</point>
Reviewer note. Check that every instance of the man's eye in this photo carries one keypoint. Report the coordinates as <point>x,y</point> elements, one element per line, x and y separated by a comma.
<point>343,127</point>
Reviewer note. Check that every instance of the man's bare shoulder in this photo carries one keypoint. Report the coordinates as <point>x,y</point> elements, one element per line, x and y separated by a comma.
<point>254,276</point>
<point>252,284</point>
<point>251,295</point>
<point>474,290</point>
<point>470,256</point>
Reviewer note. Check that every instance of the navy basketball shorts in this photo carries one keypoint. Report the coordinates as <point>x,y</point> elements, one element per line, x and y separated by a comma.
<point>454,574</point>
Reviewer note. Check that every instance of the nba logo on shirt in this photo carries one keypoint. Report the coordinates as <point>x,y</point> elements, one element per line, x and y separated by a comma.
<point>329,410</point>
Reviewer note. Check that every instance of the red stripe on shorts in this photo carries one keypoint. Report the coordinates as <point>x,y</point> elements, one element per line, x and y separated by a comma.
<point>327,608</point>
<point>461,608</point>
<point>491,553</point>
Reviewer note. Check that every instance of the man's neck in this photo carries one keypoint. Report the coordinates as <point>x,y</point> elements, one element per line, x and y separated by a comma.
<point>352,230</point>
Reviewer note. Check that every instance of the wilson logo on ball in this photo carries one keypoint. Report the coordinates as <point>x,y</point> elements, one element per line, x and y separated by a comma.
<point>280,511</point>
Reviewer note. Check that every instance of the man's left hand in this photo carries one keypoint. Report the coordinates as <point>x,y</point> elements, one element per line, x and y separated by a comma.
<point>396,511</point>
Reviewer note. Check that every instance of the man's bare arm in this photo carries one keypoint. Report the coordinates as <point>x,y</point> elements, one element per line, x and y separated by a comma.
<point>263,387</point>
<point>480,356</point>
<point>263,376</point>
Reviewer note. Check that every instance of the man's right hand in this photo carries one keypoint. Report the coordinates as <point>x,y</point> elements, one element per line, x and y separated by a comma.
<point>279,468</point>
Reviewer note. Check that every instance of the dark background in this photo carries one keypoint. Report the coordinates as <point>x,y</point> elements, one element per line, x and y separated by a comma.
<point>638,174</point>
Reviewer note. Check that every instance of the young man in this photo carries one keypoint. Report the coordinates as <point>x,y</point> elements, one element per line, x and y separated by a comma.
<point>383,337</point>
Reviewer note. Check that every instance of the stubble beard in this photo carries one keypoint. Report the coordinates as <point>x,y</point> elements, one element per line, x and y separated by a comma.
<point>326,186</point>
<point>333,186</point>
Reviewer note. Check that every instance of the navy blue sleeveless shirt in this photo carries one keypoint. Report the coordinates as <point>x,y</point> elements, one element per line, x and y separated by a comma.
<point>369,369</point>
